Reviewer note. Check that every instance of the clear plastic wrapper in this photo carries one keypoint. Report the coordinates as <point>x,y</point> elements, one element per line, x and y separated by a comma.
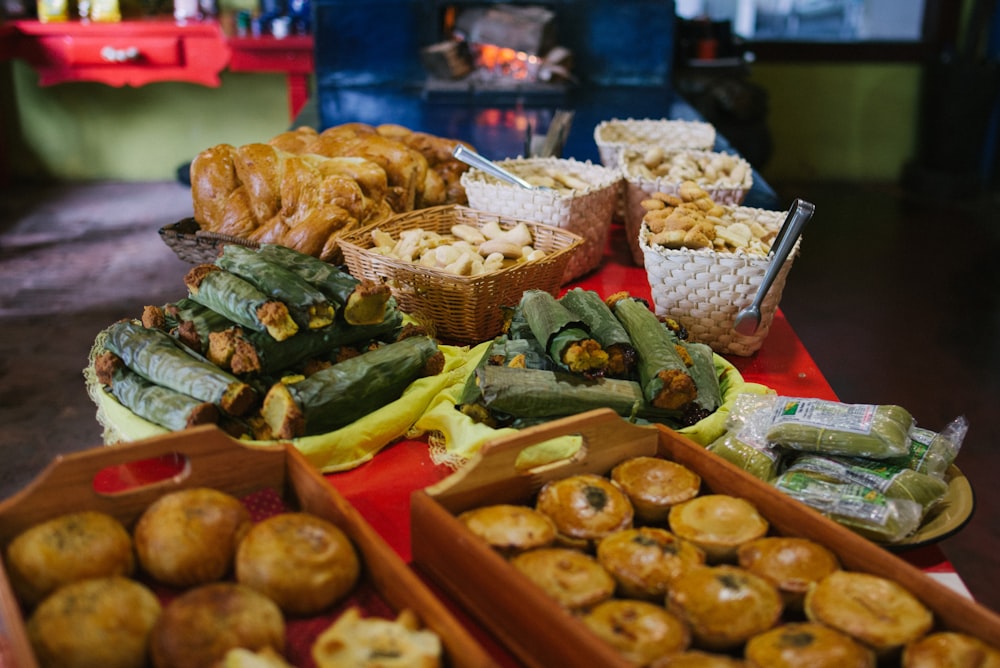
<point>835,428</point>
<point>933,452</point>
<point>745,442</point>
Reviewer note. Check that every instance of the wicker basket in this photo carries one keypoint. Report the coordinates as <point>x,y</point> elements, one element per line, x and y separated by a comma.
<point>705,289</point>
<point>639,187</point>
<point>615,135</point>
<point>194,245</point>
<point>587,212</point>
<point>462,309</point>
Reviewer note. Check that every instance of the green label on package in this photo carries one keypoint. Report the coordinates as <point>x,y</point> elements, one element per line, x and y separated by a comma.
<point>854,418</point>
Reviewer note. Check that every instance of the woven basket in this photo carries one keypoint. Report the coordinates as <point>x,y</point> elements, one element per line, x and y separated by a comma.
<point>462,309</point>
<point>613,136</point>
<point>705,289</point>
<point>194,245</point>
<point>587,212</point>
<point>639,187</point>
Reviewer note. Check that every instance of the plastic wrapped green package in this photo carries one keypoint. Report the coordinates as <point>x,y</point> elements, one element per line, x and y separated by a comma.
<point>866,511</point>
<point>744,443</point>
<point>933,452</point>
<point>835,428</point>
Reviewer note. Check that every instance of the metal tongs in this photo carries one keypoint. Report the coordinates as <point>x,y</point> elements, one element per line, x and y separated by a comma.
<point>748,319</point>
<point>473,159</point>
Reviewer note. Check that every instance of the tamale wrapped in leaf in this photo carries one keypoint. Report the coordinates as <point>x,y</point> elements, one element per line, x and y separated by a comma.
<point>239,301</point>
<point>361,302</point>
<point>706,378</point>
<point>192,323</point>
<point>665,379</point>
<point>835,428</point>
<point>565,338</point>
<point>160,405</point>
<point>505,351</point>
<point>340,394</point>
<point>588,306</point>
<point>156,356</point>
<point>551,393</point>
<point>308,306</point>
<point>759,461</point>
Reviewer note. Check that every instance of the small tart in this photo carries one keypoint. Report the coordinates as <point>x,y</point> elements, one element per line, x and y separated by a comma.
<point>807,644</point>
<point>950,648</point>
<point>697,659</point>
<point>718,524</point>
<point>790,563</point>
<point>654,485</point>
<point>645,560</point>
<point>572,578</point>
<point>374,642</point>
<point>724,605</point>
<point>510,528</point>
<point>869,608</point>
<point>640,630</point>
<point>585,508</point>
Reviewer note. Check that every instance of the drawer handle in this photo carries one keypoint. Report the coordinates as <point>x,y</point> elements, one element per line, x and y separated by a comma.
<point>112,55</point>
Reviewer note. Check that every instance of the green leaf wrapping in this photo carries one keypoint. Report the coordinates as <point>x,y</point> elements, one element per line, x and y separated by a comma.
<point>605,328</point>
<point>199,320</point>
<point>565,337</point>
<point>155,356</point>
<point>160,405</point>
<point>500,353</point>
<point>308,306</point>
<point>705,375</point>
<point>835,428</point>
<point>335,284</point>
<point>340,394</point>
<point>233,297</point>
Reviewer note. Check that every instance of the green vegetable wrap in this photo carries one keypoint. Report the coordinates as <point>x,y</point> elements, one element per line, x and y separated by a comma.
<point>308,306</point>
<point>154,355</point>
<point>340,394</point>
<point>240,301</point>
<point>565,338</point>
<point>160,405</point>
<point>706,378</point>
<point>606,329</point>
<point>834,428</point>
<point>664,376</point>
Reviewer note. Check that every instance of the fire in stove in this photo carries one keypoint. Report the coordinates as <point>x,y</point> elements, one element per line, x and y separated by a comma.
<point>497,48</point>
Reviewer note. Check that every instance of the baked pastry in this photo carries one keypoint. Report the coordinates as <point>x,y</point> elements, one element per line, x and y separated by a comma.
<point>644,560</point>
<point>950,648</point>
<point>806,644</point>
<point>238,657</point>
<point>201,625</point>
<point>189,537</point>
<point>654,485</point>
<point>585,508</point>
<point>67,548</point>
<point>301,562</point>
<point>724,605</point>
<point>510,528</point>
<point>875,610</point>
<point>95,622</point>
<point>718,524</point>
<point>697,659</point>
<point>789,563</point>
<point>640,630</point>
<point>353,641</point>
<point>572,578</point>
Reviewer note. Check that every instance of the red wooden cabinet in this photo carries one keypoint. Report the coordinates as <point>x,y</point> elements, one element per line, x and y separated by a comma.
<point>292,55</point>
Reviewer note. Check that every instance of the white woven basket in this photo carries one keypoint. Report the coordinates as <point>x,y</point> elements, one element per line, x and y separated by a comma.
<point>587,212</point>
<point>705,289</point>
<point>615,135</point>
<point>639,187</point>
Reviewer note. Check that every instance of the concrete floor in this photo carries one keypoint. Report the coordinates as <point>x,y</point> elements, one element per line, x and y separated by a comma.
<point>896,299</point>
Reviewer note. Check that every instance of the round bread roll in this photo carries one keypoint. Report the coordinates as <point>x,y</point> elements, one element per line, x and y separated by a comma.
<point>301,562</point>
<point>653,485</point>
<point>572,578</point>
<point>806,644</point>
<point>66,549</point>
<point>645,560</point>
<point>875,610</point>
<point>189,537</point>
<point>96,622</point>
<point>353,641</point>
<point>697,659</point>
<point>950,648</point>
<point>724,605</point>
<point>640,630</point>
<point>510,528</point>
<point>585,508</point>
<point>200,626</point>
<point>718,524</point>
<point>789,563</point>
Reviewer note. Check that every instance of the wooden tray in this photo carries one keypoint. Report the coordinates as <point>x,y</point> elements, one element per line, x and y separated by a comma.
<point>542,633</point>
<point>212,459</point>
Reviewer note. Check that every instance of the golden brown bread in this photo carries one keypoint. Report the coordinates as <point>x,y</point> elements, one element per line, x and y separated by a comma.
<point>509,528</point>
<point>806,644</point>
<point>189,537</point>
<point>718,524</point>
<point>640,630</point>
<point>950,649</point>
<point>65,549</point>
<point>790,563</point>
<point>301,562</point>
<point>585,508</point>
<point>354,641</point>
<point>645,560</point>
<point>574,579</point>
<point>95,622</point>
<point>654,484</point>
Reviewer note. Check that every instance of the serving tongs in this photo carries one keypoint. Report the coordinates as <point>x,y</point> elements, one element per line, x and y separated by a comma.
<point>748,319</point>
<point>473,159</point>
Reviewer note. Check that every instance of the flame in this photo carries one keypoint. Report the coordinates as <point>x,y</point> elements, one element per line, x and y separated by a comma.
<point>507,62</point>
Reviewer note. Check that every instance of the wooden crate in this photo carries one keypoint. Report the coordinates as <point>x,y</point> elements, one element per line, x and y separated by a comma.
<point>212,459</point>
<point>540,632</point>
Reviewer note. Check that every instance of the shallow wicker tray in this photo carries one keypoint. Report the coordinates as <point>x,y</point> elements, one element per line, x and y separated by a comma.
<point>613,136</point>
<point>194,245</point>
<point>462,309</point>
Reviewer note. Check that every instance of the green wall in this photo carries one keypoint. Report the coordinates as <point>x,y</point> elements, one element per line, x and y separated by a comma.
<point>829,122</point>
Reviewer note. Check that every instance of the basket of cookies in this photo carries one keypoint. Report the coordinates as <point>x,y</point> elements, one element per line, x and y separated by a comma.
<point>615,135</point>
